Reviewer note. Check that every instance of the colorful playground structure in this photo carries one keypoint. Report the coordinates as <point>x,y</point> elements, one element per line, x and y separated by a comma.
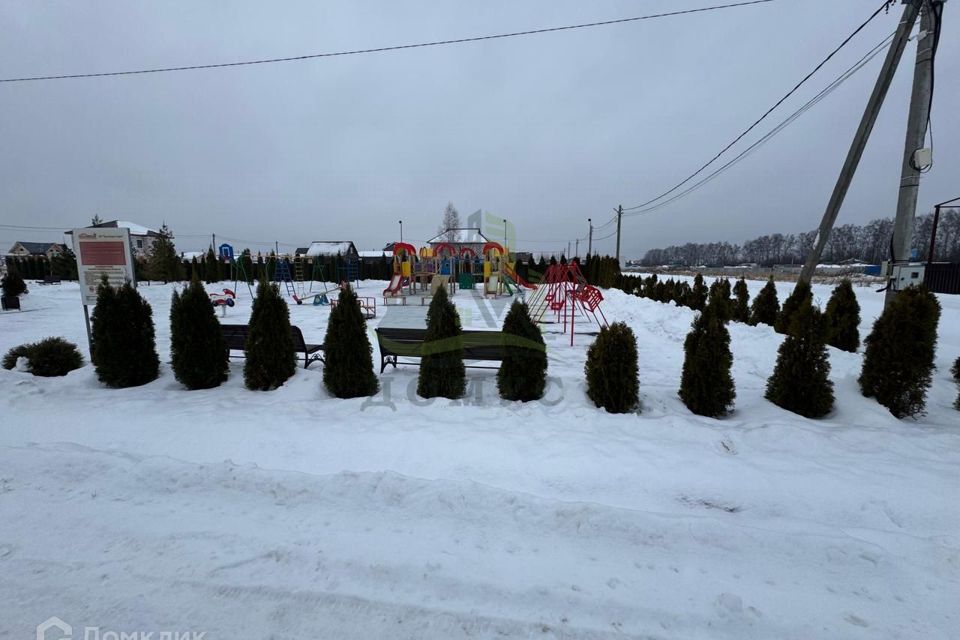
<point>428,269</point>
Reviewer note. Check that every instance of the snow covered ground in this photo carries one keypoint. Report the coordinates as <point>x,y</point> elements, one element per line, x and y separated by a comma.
<point>291,514</point>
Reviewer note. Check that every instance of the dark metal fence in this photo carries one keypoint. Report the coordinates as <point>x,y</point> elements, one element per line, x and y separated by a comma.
<point>943,277</point>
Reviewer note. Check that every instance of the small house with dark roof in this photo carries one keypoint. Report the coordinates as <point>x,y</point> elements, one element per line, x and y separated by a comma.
<point>49,250</point>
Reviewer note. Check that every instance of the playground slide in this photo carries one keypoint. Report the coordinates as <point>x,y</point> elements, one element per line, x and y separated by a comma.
<point>396,283</point>
<point>490,287</point>
<point>513,275</point>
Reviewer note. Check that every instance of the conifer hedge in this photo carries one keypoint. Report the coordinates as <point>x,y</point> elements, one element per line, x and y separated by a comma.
<point>741,305</point>
<point>12,283</point>
<point>124,348</point>
<point>442,374</point>
<point>270,356</point>
<point>348,360</point>
<point>766,306</point>
<point>800,297</point>
<point>956,378</point>
<point>697,298</point>
<point>843,318</point>
<point>898,363</point>
<point>706,385</point>
<point>523,372</point>
<point>611,369</point>
<point>800,382</point>
<point>198,350</point>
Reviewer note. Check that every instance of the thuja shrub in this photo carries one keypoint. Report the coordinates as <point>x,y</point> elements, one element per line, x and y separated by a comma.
<point>613,380</point>
<point>706,384</point>
<point>442,373</point>
<point>898,363</point>
<point>766,306</point>
<point>842,318</point>
<point>348,360</point>
<point>124,348</point>
<point>523,372</point>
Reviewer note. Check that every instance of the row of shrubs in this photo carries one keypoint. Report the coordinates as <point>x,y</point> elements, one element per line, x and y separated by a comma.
<point>897,368</point>
<point>124,348</point>
<point>841,316</point>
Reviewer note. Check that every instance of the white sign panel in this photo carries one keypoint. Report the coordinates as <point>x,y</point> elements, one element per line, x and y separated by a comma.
<point>102,252</point>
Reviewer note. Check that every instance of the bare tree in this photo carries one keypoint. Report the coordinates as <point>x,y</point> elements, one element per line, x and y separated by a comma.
<point>451,221</point>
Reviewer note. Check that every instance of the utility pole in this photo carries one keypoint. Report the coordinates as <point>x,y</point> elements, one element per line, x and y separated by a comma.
<point>619,217</point>
<point>867,121</point>
<point>276,248</point>
<point>214,242</point>
<point>576,251</point>
<point>916,137</point>
<point>568,250</point>
<point>590,238</point>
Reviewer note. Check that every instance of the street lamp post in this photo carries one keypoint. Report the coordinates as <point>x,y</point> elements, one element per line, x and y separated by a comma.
<point>504,233</point>
<point>401,230</point>
<point>590,241</point>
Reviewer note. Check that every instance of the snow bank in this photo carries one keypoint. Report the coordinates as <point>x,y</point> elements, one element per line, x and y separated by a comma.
<point>292,514</point>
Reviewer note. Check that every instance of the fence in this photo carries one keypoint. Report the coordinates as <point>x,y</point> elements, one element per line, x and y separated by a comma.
<point>943,277</point>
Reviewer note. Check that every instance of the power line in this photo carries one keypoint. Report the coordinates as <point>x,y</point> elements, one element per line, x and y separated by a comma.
<point>435,43</point>
<point>796,87</point>
<point>846,75</point>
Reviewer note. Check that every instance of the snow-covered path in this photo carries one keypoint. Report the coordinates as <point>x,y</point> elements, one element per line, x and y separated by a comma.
<point>290,514</point>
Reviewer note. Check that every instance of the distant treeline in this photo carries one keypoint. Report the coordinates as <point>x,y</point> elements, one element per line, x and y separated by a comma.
<point>164,265</point>
<point>869,243</point>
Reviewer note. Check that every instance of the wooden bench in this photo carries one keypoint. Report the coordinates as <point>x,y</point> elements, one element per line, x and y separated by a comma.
<point>51,280</point>
<point>398,343</point>
<point>236,336</point>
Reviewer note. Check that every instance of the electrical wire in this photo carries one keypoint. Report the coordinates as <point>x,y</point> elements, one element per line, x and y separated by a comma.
<point>435,43</point>
<point>796,87</point>
<point>843,77</point>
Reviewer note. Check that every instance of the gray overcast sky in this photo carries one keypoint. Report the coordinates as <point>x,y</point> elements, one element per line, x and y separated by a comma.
<point>545,130</point>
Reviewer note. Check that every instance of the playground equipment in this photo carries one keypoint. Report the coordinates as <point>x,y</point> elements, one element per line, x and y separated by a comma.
<point>282,274</point>
<point>349,271</point>
<point>404,257</point>
<point>223,300</point>
<point>368,306</point>
<point>565,292</point>
<point>493,257</point>
<point>512,278</point>
<point>225,253</point>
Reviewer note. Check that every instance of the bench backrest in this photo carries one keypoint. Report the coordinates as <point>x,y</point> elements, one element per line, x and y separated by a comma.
<point>236,336</point>
<point>477,345</point>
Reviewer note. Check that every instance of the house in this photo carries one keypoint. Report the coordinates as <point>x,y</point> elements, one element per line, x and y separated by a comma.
<point>465,241</point>
<point>141,238</point>
<point>47,250</point>
<point>330,248</point>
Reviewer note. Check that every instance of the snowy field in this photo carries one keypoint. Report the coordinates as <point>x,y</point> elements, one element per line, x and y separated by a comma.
<point>290,514</point>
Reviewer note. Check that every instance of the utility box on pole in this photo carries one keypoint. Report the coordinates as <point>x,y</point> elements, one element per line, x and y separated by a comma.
<point>904,275</point>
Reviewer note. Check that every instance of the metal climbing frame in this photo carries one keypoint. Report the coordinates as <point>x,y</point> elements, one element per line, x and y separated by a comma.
<point>566,293</point>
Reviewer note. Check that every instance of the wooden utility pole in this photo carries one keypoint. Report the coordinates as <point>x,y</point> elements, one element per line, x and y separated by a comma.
<point>619,218</point>
<point>867,121</point>
<point>590,237</point>
<point>576,251</point>
<point>916,137</point>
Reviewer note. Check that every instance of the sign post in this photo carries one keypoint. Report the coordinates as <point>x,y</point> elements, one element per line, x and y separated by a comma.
<point>101,252</point>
